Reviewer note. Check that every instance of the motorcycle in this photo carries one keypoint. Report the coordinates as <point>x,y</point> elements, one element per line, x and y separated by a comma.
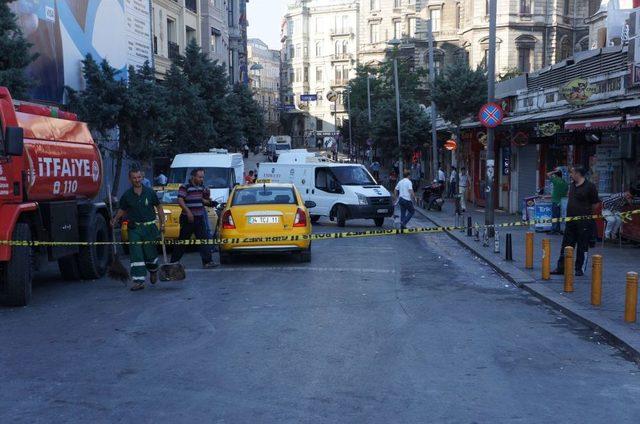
<point>432,196</point>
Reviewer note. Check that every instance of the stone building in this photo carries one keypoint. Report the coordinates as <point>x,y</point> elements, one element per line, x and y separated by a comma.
<point>215,30</point>
<point>264,77</point>
<point>319,54</point>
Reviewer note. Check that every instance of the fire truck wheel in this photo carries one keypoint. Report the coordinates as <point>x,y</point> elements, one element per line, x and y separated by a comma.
<point>94,259</point>
<point>15,277</point>
<point>69,267</point>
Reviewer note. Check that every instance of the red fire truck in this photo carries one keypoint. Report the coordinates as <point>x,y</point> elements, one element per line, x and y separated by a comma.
<point>50,174</point>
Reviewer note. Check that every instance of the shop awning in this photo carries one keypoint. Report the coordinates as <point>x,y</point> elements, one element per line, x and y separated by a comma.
<point>601,122</point>
<point>632,121</point>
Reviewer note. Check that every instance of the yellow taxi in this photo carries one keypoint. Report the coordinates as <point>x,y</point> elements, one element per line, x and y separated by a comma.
<point>265,210</point>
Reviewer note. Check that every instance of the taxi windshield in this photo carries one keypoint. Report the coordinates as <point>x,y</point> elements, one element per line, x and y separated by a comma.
<point>352,175</point>
<point>264,196</point>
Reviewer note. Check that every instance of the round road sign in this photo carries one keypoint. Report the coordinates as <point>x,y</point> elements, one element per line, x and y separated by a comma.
<point>332,96</point>
<point>491,115</point>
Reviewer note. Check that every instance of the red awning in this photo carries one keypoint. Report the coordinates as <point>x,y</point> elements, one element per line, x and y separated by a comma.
<point>593,123</point>
<point>632,121</point>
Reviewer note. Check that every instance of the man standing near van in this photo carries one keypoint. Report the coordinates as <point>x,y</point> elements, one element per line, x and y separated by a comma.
<point>406,197</point>
<point>192,197</point>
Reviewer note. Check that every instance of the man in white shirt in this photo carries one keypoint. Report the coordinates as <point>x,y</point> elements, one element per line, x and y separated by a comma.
<point>465,182</point>
<point>406,197</point>
<point>442,177</point>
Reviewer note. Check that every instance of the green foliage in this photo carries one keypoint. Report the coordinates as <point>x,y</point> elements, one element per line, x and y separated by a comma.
<point>509,73</point>
<point>414,127</point>
<point>459,92</point>
<point>253,127</point>
<point>15,53</point>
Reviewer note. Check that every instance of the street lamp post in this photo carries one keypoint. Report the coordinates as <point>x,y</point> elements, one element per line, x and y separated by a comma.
<point>434,115</point>
<point>395,43</point>
<point>349,115</point>
<point>491,79</point>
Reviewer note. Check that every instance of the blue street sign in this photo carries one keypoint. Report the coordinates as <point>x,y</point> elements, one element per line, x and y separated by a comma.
<point>491,115</point>
<point>308,97</point>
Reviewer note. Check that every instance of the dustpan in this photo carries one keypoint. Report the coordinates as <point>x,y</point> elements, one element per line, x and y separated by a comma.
<point>170,271</point>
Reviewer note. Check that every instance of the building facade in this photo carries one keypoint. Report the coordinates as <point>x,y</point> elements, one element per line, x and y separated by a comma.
<point>264,77</point>
<point>174,25</point>
<point>319,54</point>
<point>237,55</point>
<point>214,35</point>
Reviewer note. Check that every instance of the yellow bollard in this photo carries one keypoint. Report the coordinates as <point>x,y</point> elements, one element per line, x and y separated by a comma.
<point>631,298</point>
<point>528,254</point>
<point>568,269</point>
<point>546,259</point>
<point>596,280</point>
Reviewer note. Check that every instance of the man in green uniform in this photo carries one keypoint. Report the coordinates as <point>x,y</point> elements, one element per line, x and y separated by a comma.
<point>560,189</point>
<point>139,204</point>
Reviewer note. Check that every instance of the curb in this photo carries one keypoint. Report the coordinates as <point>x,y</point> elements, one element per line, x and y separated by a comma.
<point>590,317</point>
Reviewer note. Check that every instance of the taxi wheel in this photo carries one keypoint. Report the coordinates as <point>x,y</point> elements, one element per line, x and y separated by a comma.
<point>225,258</point>
<point>305,256</point>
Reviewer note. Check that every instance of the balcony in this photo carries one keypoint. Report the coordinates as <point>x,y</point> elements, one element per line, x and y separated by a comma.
<point>337,32</point>
<point>339,83</point>
<point>174,50</point>
<point>341,57</point>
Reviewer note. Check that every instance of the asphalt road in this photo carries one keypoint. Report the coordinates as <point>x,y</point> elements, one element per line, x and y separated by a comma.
<point>405,329</point>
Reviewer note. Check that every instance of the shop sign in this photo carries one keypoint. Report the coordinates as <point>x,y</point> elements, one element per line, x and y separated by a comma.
<point>578,91</point>
<point>548,129</point>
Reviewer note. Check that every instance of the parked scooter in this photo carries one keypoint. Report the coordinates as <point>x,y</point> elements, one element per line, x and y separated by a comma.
<point>432,196</point>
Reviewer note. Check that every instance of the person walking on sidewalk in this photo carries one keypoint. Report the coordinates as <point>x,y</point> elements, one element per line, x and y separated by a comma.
<point>559,190</point>
<point>140,204</point>
<point>406,197</point>
<point>415,175</point>
<point>462,188</point>
<point>453,181</point>
<point>192,197</point>
<point>375,169</point>
<point>612,206</point>
<point>583,198</point>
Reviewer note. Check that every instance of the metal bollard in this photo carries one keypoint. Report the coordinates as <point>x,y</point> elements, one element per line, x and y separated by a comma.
<point>508,248</point>
<point>596,280</point>
<point>568,269</point>
<point>477,233</point>
<point>631,298</point>
<point>546,259</point>
<point>485,237</point>
<point>496,243</point>
<point>469,227</point>
<point>528,256</point>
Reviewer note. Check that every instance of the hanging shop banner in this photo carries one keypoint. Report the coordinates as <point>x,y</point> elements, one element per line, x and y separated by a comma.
<point>578,91</point>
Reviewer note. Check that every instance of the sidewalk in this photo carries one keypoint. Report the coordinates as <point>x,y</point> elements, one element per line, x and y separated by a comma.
<point>617,261</point>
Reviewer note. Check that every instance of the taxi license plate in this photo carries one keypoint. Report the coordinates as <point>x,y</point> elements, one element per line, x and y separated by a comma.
<point>383,210</point>
<point>264,220</point>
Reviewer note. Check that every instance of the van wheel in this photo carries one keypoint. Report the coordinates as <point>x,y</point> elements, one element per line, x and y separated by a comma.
<point>341,215</point>
<point>16,275</point>
<point>94,259</point>
<point>315,218</point>
<point>68,267</point>
<point>378,221</point>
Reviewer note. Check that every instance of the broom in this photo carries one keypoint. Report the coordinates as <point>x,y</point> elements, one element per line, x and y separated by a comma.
<point>170,271</point>
<point>116,270</point>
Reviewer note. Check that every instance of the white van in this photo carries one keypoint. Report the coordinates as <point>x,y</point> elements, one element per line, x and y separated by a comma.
<point>222,171</point>
<point>300,156</point>
<point>340,191</point>
<point>276,145</point>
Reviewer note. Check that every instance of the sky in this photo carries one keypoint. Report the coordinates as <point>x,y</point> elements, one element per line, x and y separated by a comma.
<point>264,18</point>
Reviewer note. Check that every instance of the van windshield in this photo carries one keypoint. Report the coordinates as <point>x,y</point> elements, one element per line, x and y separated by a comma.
<point>213,177</point>
<point>352,175</point>
<point>283,147</point>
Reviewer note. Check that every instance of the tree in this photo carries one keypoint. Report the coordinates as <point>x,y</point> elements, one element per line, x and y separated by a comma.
<point>459,92</point>
<point>509,73</point>
<point>253,127</point>
<point>414,128</point>
<point>15,53</point>
<point>135,109</point>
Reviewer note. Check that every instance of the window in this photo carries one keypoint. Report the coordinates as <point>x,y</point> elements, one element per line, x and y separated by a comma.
<point>230,15</point>
<point>171,31</point>
<point>594,5</point>
<point>292,52</point>
<point>397,3</point>
<point>411,30</point>
<point>345,47</point>
<point>374,30</point>
<point>525,7</point>
<point>566,7</point>
<point>318,48</point>
<point>191,34</point>
<point>435,19</point>
<point>214,40</point>
<point>458,16</point>
<point>298,50</point>
<point>550,98</point>
<point>261,196</point>
<point>486,7</point>
<point>524,59</point>
<point>191,5</point>
<point>318,74</point>
<point>306,74</point>
<point>326,181</point>
<point>397,29</point>
<point>374,4</point>
<point>485,57</point>
<point>298,74</point>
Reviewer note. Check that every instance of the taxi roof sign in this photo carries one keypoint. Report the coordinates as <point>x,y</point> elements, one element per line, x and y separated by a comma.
<point>263,180</point>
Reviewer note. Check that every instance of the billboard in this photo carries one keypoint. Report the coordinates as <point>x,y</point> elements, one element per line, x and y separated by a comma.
<point>63,32</point>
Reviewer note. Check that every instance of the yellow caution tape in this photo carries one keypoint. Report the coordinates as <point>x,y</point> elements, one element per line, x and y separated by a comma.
<point>316,236</point>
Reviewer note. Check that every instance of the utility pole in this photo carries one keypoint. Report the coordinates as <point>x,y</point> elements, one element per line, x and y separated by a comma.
<point>491,81</point>
<point>369,96</point>
<point>351,149</point>
<point>434,115</point>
